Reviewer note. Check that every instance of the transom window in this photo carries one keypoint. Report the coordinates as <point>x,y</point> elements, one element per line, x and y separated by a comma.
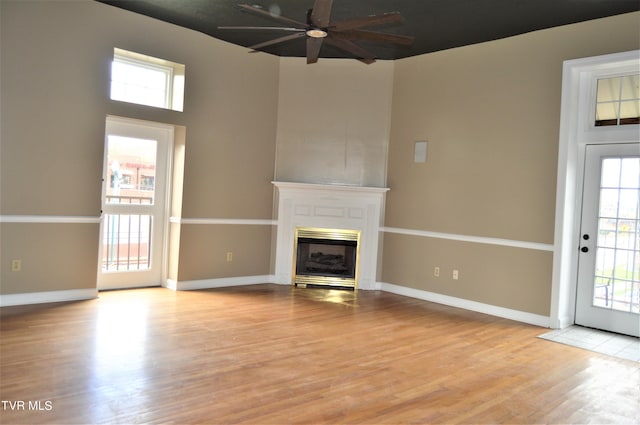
<point>618,101</point>
<point>146,80</point>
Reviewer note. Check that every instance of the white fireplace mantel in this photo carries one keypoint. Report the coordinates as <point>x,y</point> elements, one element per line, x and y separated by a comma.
<point>329,207</point>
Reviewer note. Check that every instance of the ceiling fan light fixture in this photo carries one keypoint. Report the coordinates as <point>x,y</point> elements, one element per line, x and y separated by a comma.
<point>316,33</point>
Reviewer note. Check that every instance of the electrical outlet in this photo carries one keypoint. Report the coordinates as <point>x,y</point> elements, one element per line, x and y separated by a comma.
<point>16,265</point>
<point>436,271</point>
<point>229,256</point>
<point>455,275</point>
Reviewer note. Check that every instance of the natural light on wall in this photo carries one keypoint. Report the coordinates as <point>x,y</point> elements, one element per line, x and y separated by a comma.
<point>618,101</point>
<point>146,80</point>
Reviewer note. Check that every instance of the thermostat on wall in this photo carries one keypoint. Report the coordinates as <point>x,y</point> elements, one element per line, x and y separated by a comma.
<point>420,151</point>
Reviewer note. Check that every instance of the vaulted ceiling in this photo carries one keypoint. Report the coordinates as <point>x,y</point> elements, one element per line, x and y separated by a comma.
<point>435,24</point>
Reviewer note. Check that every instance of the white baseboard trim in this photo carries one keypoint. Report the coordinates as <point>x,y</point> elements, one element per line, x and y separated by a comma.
<point>506,313</point>
<point>47,297</point>
<point>189,285</point>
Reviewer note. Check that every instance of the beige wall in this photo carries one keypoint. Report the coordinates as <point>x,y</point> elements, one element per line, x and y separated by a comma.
<point>55,88</point>
<point>491,115</point>
<point>333,121</point>
<point>249,244</point>
<point>490,274</point>
<point>490,112</point>
<point>68,251</point>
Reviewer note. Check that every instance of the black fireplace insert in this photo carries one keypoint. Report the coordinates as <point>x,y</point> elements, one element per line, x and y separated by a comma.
<point>326,257</point>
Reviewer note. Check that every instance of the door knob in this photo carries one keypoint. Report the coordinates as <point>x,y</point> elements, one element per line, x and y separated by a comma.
<point>585,237</point>
<point>584,249</point>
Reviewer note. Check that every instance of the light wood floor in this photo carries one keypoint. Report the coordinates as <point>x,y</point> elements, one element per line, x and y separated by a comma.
<point>270,354</point>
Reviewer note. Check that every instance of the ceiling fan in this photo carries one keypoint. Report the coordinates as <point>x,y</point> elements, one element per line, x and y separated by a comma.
<point>319,29</point>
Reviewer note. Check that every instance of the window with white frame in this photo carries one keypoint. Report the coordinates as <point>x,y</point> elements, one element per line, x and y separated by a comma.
<point>146,80</point>
<point>618,100</point>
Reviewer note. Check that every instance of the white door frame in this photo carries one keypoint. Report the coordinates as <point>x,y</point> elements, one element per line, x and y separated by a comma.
<point>577,129</point>
<point>133,127</point>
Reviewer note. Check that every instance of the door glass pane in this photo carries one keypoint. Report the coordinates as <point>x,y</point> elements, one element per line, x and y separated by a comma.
<point>610,172</point>
<point>628,205</point>
<point>609,203</point>
<point>126,242</point>
<point>606,233</point>
<point>131,170</point>
<point>617,273</point>
<point>630,172</point>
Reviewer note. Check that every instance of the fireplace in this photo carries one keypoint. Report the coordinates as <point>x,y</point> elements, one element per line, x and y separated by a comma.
<point>326,257</point>
<point>357,214</point>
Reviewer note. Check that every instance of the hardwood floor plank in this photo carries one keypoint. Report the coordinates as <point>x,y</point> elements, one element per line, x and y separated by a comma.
<point>271,354</point>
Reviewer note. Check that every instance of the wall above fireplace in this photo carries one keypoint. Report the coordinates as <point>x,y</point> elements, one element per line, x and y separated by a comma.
<point>329,207</point>
<point>342,136</point>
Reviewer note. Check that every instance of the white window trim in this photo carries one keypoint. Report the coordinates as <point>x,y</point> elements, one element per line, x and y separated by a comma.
<point>577,129</point>
<point>167,70</point>
<point>174,90</point>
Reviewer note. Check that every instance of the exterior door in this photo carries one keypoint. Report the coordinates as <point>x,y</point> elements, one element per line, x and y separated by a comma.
<point>608,292</point>
<point>134,204</point>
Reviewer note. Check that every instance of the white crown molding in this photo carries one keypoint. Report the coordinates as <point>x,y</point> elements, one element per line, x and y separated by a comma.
<point>48,219</point>
<point>47,297</point>
<point>468,238</point>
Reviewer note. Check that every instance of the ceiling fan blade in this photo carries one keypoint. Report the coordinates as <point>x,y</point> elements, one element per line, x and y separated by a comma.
<point>321,13</point>
<point>269,15</point>
<point>262,28</point>
<point>313,49</point>
<point>278,40</point>
<point>404,40</point>
<point>361,54</point>
<point>368,21</point>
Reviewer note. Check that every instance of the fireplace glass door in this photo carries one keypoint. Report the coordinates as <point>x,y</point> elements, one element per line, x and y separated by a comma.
<point>326,257</point>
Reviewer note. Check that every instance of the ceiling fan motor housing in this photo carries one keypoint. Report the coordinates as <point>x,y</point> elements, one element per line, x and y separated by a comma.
<point>316,33</point>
